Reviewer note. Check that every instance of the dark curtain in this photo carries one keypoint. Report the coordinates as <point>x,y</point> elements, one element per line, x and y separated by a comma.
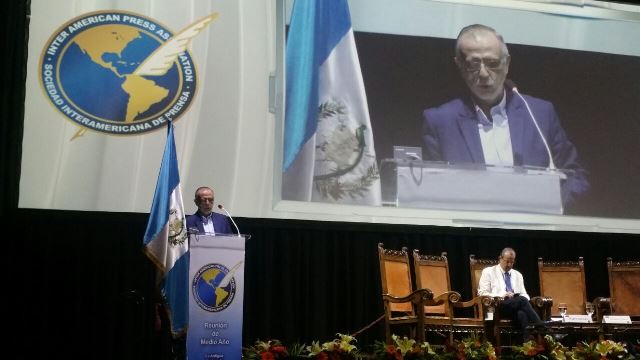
<point>13,66</point>
<point>81,277</point>
<point>80,287</point>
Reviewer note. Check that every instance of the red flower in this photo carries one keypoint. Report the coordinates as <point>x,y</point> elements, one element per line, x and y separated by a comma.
<point>279,349</point>
<point>267,355</point>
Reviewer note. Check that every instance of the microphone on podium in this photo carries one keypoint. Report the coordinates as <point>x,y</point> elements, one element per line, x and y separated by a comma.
<point>229,215</point>
<point>511,85</point>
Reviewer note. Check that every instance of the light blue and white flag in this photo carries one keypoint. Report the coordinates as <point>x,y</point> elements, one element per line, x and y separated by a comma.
<point>328,141</point>
<point>166,241</point>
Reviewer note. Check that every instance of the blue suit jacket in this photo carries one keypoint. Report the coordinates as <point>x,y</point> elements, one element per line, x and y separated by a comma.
<point>220,223</point>
<point>450,133</point>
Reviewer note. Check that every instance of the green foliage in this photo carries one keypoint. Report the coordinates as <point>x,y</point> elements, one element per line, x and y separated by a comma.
<point>471,348</point>
<point>548,349</point>
<point>601,350</point>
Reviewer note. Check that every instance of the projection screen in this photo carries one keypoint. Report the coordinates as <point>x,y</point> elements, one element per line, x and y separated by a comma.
<point>583,57</point>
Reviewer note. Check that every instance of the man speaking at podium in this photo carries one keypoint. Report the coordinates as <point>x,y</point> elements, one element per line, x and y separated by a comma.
<point>205,220</point>
<point>495,124</point>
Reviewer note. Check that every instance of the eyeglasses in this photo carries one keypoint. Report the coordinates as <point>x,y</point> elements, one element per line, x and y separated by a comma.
<point>475,65</point>
<point>203,200</point>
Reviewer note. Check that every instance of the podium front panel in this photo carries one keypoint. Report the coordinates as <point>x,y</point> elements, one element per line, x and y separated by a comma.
<point>216,291</point>
<point>417,184</point>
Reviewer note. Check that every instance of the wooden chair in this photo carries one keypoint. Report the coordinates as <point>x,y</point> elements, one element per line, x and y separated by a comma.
<point>542,305</point>
<point>564,282</point>
<point>624,287</point>
<point>402,305</point>
<point>432,272</point>
<point>476,266</point>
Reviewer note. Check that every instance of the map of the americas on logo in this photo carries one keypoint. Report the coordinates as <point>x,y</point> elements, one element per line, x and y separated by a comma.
<point>120,73</point>
<point>108,55</point>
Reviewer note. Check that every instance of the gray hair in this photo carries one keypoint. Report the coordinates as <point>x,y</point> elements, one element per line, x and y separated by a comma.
<point>479,27</point>
<point>507,250</point>
<point>203,188</point>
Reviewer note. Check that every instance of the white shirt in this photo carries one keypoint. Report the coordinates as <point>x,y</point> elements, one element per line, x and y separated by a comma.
<point>492,282</point>
<point>207,224</point>
<point>494,136</point>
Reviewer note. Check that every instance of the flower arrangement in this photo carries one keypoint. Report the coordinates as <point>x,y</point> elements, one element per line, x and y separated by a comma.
<point>471,348</point>
<point>339,348</point>
<point>266,350</point>
<point>600,350</point>
<point>404,349</point>
<point>548,349</point>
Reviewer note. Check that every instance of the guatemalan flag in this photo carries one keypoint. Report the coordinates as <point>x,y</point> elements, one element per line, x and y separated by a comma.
<point>328,142</point>
<point>166,241</point>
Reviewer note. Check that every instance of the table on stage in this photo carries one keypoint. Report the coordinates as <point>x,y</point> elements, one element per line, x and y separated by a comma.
<point>594,331</point>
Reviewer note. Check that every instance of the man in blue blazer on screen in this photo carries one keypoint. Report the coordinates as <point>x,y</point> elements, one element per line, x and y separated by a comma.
<point>205,220</point>
<point>497,125</point>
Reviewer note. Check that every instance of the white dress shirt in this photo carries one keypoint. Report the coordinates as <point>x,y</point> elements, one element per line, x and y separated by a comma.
<point>207,224</point>
<point>494,135</point>
<point>492,282</point>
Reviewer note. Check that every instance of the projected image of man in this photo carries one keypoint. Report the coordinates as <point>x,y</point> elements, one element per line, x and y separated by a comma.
<point>492,123</point>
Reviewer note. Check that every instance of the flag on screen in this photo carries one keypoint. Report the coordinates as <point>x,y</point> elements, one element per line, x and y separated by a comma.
<point>165,240</point>
<point>328,142</point>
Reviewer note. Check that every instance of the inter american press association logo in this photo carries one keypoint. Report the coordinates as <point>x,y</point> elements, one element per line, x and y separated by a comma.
<point>214,286</point>
<point>120,73</point>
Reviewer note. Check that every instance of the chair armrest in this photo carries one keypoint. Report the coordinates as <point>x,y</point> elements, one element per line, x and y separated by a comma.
<point>542,305</point>
<point>479,305</point>
<point>420,296</point>
<point>603,306</point>
<point>482,301</point>
<point>448,296</point>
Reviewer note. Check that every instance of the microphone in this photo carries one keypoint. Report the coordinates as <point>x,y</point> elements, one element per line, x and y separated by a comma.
<point>229,215</point>
<point>511,85</point>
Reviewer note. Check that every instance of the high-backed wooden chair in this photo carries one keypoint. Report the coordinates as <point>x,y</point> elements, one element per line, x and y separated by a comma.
<point>475,269</point>
<point>542,305</point>
<point>432,272</point>
<point>564,282</point>
<point>402,305</point>
<point>624,287</point>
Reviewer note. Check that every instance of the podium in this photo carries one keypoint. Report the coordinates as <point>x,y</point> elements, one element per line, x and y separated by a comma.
<point>470,187</point>
<point>216,292</point>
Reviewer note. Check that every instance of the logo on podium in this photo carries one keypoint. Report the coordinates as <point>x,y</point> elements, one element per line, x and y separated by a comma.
<point>214,287</point>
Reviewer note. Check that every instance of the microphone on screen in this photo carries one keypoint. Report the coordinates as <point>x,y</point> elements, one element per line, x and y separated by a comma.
<point>230,217</point>
<point>511,85</point>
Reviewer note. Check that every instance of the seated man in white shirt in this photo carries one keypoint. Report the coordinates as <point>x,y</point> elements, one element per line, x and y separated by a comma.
<point>503,281</point>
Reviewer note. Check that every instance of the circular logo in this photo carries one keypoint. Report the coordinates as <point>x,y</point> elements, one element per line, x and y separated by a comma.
<point>117,73</point>
<point>213,287</point>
